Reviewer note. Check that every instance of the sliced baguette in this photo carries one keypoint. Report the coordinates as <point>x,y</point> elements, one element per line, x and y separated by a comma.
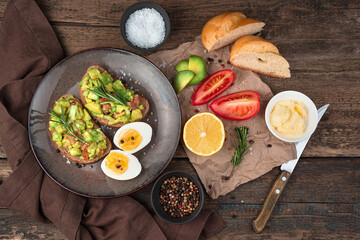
<point>258,55</point>
<point>225,28</point>
<point>143,101</point>
<point>67,154</point>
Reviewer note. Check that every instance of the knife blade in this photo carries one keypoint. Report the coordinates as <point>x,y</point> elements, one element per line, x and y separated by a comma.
<point>300,146</point>
<point>279,184</point>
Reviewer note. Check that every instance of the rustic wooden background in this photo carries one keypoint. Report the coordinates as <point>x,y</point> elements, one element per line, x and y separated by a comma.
<point>320,39</point>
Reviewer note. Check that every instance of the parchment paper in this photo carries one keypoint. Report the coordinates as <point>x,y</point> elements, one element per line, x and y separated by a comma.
<point>266,152</point>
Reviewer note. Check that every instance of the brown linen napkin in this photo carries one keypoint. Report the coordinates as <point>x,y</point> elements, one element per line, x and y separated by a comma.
<point>266,152</point>
<point>28,49</point>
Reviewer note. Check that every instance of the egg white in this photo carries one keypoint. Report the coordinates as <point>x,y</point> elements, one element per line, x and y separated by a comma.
<point>134,168</point>
<point>144,129</point>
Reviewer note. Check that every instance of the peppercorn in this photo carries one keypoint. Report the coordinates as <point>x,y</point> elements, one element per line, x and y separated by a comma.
<point>180,198</point>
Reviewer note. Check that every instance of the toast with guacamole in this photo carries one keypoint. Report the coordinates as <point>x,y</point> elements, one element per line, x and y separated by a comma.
<point>108,100</point>
<point>75,133</point>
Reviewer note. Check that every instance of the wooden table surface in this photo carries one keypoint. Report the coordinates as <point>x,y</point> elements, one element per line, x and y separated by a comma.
<point>320,39</point>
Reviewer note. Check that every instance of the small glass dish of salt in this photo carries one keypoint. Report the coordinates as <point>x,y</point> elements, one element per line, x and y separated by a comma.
<point>145,26</point>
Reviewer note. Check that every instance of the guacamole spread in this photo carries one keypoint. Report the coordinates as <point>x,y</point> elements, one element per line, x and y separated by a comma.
<point>103,94</point>
<point>72,128</point>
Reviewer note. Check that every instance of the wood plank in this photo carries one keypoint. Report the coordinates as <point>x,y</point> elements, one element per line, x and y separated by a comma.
<point>107,12</point>
<point>296,226</point>
<point>303,55</point>
<point>306,18</point>
<point>14,225</point>
<point>77,38</point>
<point>290,220</point>
<point>315,180</point>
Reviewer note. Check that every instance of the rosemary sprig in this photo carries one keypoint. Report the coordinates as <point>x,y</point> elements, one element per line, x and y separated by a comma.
<point>120,97</point>
<point>62,119</point>
<point>242,147</point>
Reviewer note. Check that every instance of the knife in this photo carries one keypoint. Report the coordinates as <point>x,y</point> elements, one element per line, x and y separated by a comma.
<point>279,184</point>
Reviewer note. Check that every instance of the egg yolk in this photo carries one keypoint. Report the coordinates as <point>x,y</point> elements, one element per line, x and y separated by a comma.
<point>117,162</point>
<point>130,139</point>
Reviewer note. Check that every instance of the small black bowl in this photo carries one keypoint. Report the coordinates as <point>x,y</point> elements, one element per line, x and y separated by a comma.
<point>138,6</point>
<point>158,208</point>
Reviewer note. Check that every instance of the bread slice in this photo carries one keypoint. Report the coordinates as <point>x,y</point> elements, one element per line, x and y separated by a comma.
<point>258,55</point>
<point>143,101</point>
<point>226,28</point>
<point>67,154</point>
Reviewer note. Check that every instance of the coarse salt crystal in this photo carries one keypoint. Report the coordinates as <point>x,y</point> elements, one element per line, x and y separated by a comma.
<point>145,28</point>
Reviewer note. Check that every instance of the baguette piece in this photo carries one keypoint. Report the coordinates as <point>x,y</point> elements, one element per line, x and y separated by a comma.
<point>143,101</point>
<point>78,159</point>
<point>258,55</point>
<point>226,28</point>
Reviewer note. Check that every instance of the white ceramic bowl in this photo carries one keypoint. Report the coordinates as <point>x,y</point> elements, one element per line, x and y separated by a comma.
<point>310,122</point>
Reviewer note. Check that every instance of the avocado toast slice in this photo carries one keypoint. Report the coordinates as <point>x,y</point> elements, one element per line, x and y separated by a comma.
<point>108,100</point>
<point>75,133</point>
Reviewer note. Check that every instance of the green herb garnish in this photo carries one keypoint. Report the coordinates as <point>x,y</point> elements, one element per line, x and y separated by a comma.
<point>62,119</point>
<point>241,147</point>
<point>121,97</point>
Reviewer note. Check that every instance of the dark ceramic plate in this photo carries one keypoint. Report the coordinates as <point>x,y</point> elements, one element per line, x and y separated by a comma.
<point>158,208</point>
<point>139,74</point>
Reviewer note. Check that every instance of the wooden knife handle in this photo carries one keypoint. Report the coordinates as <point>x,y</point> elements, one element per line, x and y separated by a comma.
<point>270,201</point>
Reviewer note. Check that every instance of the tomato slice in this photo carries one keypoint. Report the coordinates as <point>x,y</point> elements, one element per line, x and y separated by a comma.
<point>104,100</point>
<point>135,101</point>
<point>85,154</point>
<point>237,106</point>
<point>213,86</point>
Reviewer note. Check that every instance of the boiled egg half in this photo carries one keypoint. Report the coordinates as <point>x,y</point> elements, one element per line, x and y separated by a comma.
<point>121,165</point>
<point>133,137</point>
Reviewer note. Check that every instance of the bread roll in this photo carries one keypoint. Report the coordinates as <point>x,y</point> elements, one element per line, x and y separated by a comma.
<point>226,28</point>
<point>258,55</point>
